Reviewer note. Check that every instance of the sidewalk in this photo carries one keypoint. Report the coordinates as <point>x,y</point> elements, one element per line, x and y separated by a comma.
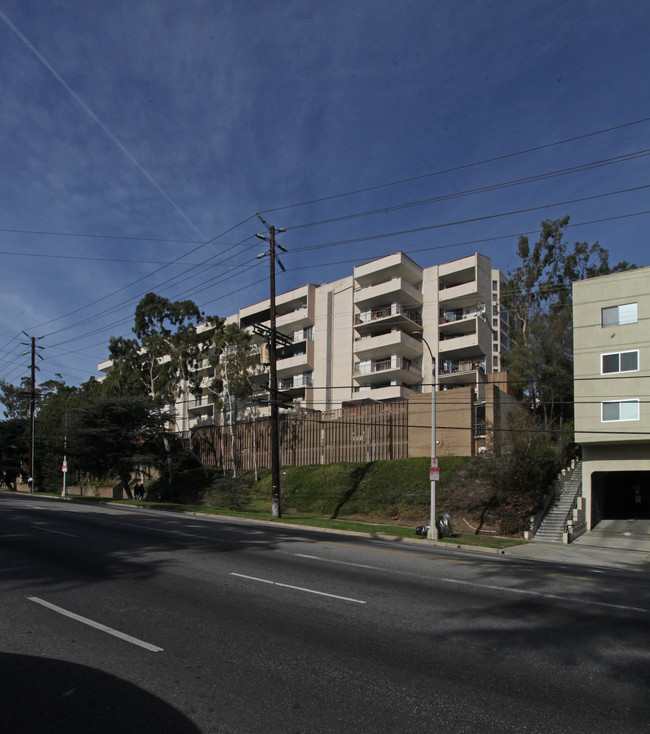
<point>623,544</point>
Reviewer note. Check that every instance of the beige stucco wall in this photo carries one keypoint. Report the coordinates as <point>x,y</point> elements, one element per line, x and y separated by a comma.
<point>453,423</point>
<point>333,335</point>
<point>591,340</point>
<point>613,458</point>
<point>611,446</point>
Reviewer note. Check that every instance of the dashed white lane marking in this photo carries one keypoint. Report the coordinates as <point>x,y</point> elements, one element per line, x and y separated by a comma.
<point>96,625</point>
<point>492,587</point>
<point>298,588</point>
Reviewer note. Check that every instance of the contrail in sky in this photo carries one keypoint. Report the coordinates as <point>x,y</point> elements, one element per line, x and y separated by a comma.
<point>96,119</point>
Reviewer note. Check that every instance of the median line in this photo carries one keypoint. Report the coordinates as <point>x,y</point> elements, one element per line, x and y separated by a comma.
<point>297,588</point>
<point>96,625</point>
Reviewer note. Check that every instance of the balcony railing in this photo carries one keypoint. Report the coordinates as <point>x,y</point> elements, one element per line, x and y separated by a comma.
<point>453,367</point>
<point>367,368</point>
<point>297,381</point>
<point>384,311</point>
<point>458,315</point>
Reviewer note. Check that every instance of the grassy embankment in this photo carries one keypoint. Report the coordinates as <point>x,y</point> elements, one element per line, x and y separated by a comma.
<point>382,497</point>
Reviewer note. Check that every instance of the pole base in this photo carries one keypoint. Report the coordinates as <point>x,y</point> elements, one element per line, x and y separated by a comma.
<point>432,533</point>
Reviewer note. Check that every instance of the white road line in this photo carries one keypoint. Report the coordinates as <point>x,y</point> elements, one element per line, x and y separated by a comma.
<point>96,625</point>
<point>340,563</point>
<point>542,595</point>
<point>298,588</point>
<point>56,532</point>
<point>492,587</point>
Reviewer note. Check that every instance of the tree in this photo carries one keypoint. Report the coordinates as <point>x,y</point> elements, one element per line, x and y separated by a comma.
<point>166,346</point>
<point>13,449</point>
<point>51,430</point>
<point>170,339</point>
<point>114,436</point>
<point>233,359</point>
<point>537,295</point>
<point>15,398</point>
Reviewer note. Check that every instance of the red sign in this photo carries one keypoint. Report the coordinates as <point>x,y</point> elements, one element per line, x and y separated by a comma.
<point>64,468</point>
<point>434,474</point>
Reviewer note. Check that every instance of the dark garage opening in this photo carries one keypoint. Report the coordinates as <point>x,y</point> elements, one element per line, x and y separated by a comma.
<point>623,495</point>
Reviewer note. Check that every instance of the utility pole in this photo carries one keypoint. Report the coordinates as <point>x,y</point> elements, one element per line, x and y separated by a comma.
<point>32,414</point>
<point>32,406</point>
<point>276,494</point>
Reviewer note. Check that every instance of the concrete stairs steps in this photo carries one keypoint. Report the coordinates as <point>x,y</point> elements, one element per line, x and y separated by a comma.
<point>552,526</point>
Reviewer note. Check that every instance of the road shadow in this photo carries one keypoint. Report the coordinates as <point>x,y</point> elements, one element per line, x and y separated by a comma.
<point>45,695</point>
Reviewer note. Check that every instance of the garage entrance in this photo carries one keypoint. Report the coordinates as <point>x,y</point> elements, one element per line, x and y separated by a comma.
<point>620,495</point>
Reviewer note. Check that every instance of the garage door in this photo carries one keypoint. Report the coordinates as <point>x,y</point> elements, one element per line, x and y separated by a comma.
<point>622,495</point>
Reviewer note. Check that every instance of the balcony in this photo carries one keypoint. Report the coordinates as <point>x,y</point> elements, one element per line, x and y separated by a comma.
<point>297,358</point>
<point>462,295</point>
<point>397,265</point>
<point>456,372</point>
<point>200,404</point>
<point>464,346</point>
<point>298,318</point>
<point>390,316</point>
<point>296,385</point>
<point>396,290</point>
<point>394,369</point>
<point>381,392</point>
<point>394,342</point>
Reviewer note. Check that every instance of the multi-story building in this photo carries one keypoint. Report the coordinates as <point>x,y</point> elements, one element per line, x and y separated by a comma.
<point>611,317</point>
<point>361,337</point>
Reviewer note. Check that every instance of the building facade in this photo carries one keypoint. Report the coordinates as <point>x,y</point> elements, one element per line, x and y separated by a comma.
<point>369,337</point>
<point>611,318</point>
<point>361,337</point>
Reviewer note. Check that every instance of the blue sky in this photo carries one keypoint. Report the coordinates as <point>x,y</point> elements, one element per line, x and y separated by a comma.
<point>138,138</point>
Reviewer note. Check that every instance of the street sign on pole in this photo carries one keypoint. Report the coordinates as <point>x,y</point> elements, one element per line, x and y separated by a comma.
<point>64,468</point>
<point>434,471</point>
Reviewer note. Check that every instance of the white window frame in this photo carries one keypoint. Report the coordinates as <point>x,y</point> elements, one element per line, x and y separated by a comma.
<point>632,401</point>
<point>627,313</point>
<point>619,354</point>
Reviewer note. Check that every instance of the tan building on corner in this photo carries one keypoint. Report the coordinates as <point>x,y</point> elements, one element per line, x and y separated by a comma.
<point>611,323</point>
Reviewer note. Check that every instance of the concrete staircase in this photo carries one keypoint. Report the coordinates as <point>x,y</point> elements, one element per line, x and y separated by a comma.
<point>552,526</point>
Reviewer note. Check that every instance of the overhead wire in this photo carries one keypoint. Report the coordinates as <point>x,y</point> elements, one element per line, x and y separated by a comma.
<point>623,158</point>
<point>462,166</point>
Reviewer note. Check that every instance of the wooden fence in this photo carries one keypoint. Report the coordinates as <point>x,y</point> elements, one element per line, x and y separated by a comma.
<point>358,433</point>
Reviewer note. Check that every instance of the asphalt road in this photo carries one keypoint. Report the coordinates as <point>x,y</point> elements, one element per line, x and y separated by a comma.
<point>129,620</point>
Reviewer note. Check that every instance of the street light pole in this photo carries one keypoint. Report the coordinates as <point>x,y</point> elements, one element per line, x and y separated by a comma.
<point>432,533</point>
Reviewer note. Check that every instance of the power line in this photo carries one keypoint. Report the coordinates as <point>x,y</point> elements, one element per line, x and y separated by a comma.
<point>482,189</point>
<point>461,167</point>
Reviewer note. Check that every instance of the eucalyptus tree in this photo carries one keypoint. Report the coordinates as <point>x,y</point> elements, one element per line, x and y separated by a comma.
<point>538,297</point>
<point>162,359</point>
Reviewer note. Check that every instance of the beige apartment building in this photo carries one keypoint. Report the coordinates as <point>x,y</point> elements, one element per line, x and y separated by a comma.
<point>361,337</point>
<point>611,327</point>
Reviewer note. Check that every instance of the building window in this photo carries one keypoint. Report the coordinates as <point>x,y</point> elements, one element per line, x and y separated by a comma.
<point>618,315</point>
<point>495,285</point>
<point>495,363</point>
<point>619,362</point>
<point>495,310</point>
<point>620,410</point>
